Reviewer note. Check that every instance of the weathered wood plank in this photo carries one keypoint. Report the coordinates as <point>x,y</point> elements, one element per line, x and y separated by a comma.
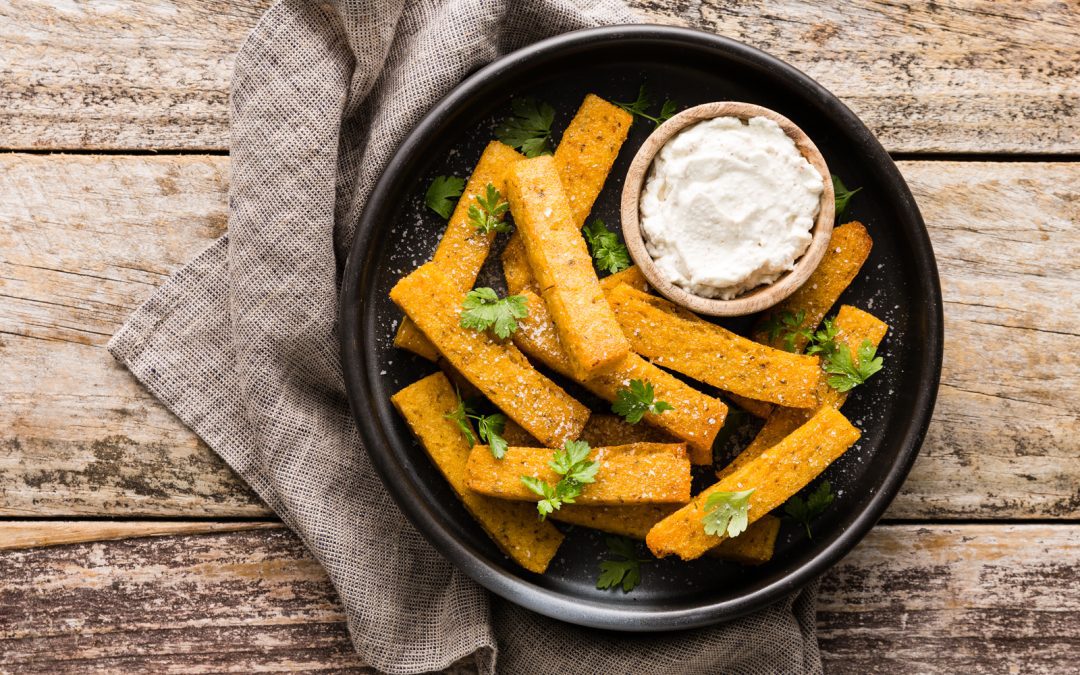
<point>955,76</point>
<point>84,239</point>
<point>965,599</point>
<point>17,534</point>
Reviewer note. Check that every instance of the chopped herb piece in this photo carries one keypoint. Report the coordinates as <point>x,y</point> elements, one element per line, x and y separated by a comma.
<point>490,427</point>
<point>634,401</point>
<point>846,375</point>
<point>483,309</point>
<point>461,415</point>
<point>727,511</point>
<point>576,472</point>
<point>823,341</point>
<point>486,215</point>
<point>804,511</point>
<point>788,325</point>
<point>528,128</point>
<point>640,107</point>
<point>842,195</point>
<point>443,194</point>
<point>624,571</point>
<point>609,253</point>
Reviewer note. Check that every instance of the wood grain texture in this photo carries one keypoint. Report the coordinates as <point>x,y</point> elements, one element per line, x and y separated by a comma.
<point>909,599</point>
<point>955,76</point>
<point>18,534</point>
<point>84,239</point>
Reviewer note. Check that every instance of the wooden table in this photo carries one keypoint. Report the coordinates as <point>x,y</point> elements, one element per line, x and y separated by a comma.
<point>129,546</point>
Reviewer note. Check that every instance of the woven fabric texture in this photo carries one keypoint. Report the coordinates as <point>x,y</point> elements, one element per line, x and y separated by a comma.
<point>241,344</point>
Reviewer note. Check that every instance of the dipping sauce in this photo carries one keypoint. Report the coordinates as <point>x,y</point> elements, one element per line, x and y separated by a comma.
<point>728,206</point>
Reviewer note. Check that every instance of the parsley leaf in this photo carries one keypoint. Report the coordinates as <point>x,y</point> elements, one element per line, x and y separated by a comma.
<point>443,193</point>
<point>727,511</point>
<point>634,401</point>
<point>483,310</point>
<point>461,415</point>
<point>490,427</point>
<point>640,107</point>
<point>486,215</point>
<point>824,340</point>
<point>528,128</point>
<point>576,470</point>
<point>846,375</point>
<point>841,194</point>
<point>787,325</point>
<point>804,511</point>
<point>625,572</point>
<point>609,253</point>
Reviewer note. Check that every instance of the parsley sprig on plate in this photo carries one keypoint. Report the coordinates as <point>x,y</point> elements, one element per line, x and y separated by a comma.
<point>634,401</point>
<point>847,373</point>
<point>727,512</point>
<point>607,251</point>
<point>788,325</point>
<point>483,309</point>
<point>841,195</point>
<point>848,370</point>
<point>624,570</point>
<point>487,214</point>
<point>528,128</point>
<point>805,510</point>
<point>576,470</point>
<point>443,193</point>
<point>490,427</point>
<point>640,107</point>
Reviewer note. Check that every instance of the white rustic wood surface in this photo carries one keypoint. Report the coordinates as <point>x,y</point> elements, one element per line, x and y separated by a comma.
<point>976,569</point>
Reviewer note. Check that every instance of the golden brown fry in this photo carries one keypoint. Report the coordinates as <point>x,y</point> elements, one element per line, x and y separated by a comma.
<point>853,327</point>
<point>603,430</point>
<point>631,276</point>
<point>497,369</point>
<point>848,250</point>
<point>462,250</point>
<point>514,435</point>
<point>752,547</point>
<point>513,527</point>
<point>696,418</point>
<point>519,276</point>
<point>756,408</point>
<point>640,473</point>
<point>676,339</point>
<point>587,151</point>
<point>774,475</point>
<point>559,259</point>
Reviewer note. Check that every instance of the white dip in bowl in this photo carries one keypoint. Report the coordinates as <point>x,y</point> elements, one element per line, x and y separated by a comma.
<point>728,206</point>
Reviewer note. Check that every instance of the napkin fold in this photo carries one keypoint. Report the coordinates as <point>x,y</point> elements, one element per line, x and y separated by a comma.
<point>242,345</point>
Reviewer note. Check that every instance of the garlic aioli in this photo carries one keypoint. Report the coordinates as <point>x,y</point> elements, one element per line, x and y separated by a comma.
<point>729,206</point>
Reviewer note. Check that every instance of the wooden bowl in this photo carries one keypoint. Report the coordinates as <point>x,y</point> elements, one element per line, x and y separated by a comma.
<point>756,299</point>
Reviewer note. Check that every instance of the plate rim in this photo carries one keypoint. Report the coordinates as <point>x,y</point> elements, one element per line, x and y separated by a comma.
<point>426,517</point>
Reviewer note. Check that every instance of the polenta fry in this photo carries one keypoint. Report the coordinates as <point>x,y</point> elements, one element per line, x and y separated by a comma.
<point>513,527</point>
<point>462,250</point>
<point>587,151</point>
<point>695,418</point>
<point>561,263</point>
<point>497,369</point>
<point>603,430</point>
<point>774,476</point>
<point>675,339</point>
<point>641,473</point>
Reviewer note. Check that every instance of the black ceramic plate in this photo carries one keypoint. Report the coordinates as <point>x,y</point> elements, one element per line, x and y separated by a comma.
<point>898,284</point>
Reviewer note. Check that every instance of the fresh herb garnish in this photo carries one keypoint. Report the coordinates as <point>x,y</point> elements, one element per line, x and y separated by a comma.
<point>625,570</point>
<point>787,325</point>
<point>634,401</point>
<point>576,472</point>
<point>486,215</point>
<point>644,101</point>
<point>483,309</point>
<point>804,511</point>
<point>846,374</point>
<point>823,341</point>
<point>727,512</point>
<point>443,193</point>
<point>528,128</point>
<point>490,427</point>
<point>841,194</point>
<point>608,252</point>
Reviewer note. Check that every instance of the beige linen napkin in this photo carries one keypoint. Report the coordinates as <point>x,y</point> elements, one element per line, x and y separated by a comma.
<point>241,343</point>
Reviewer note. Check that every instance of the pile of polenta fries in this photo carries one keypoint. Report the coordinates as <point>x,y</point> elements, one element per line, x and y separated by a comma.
<point>603,334</point>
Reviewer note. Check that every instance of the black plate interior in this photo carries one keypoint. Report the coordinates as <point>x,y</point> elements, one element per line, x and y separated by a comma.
<point>898,284</point>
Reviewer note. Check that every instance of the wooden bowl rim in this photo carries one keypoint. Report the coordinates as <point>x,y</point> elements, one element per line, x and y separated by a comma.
<point>756,299</point>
